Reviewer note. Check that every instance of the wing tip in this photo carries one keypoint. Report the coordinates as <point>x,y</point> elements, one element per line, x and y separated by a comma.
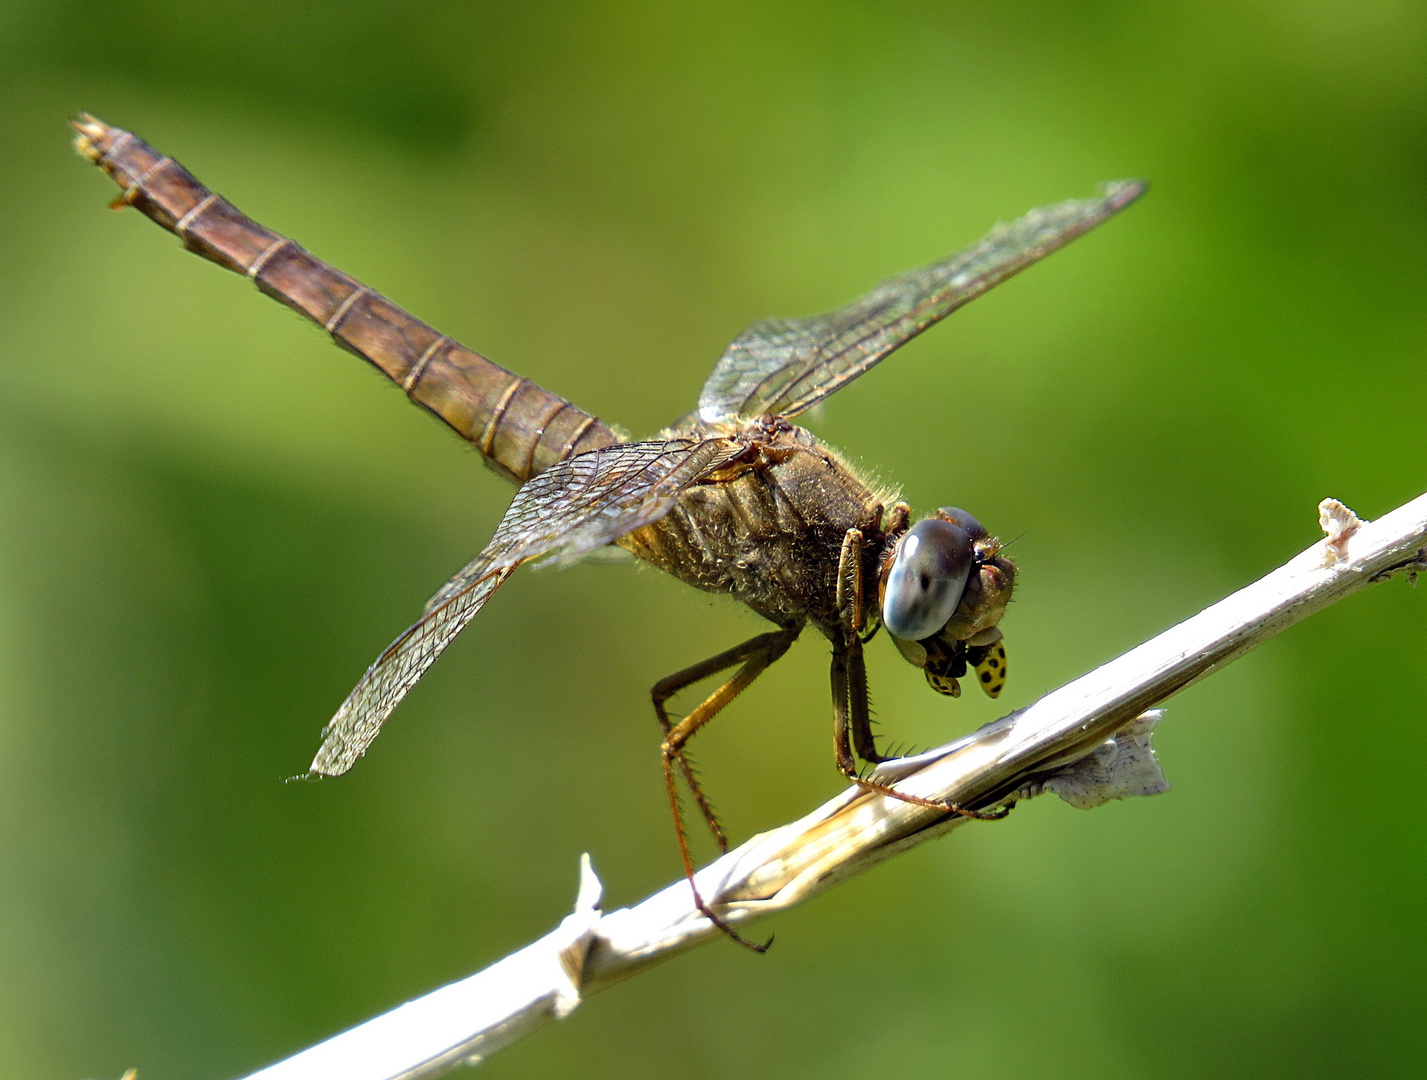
<point>330,762</point>
<point>335,756</point>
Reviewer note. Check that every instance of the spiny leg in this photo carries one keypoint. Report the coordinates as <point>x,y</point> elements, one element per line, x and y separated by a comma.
<point>849,608</point>
<point>850,713</point>
<point>670,685</point>
<point>755,655</point>
<point>849,580</point>
<point>860,715</point>
<point>891,523</point>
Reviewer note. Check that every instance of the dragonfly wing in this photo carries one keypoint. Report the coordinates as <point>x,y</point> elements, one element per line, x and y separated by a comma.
<point>573,507</point>
<point>397,670</point>
<point>781,367</point>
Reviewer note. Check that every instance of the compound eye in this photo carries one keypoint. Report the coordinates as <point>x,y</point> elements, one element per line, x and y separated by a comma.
<point>927,578</point>
<point>958,516</point>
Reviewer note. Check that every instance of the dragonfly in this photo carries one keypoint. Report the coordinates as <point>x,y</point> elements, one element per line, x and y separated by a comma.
<point>734,498</point>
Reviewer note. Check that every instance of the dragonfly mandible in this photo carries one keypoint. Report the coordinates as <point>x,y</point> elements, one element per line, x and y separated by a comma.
<point>735,498</point>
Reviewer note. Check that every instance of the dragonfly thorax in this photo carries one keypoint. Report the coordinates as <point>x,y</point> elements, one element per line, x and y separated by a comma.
<point>769,528</point>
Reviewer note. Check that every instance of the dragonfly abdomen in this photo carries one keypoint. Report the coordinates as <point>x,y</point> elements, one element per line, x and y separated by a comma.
<point>520,428</point>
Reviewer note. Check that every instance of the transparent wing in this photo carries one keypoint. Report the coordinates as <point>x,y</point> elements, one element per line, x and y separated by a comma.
<point>780,367</point>
<point>571,508</point>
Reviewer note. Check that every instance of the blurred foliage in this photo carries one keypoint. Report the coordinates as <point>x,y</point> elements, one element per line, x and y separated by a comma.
<point>211,520</point>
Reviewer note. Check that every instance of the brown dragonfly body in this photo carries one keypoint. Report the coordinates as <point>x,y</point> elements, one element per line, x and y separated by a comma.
<point>770,530</point>
<point>735,499</point>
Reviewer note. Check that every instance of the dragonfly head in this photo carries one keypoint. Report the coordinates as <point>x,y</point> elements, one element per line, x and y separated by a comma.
<point>942,593</point>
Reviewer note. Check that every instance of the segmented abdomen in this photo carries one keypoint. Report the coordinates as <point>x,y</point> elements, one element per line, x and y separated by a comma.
<point>521,428</point>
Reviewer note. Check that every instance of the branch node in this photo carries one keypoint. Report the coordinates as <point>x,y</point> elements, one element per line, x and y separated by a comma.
<point>576,935</point>
<point>1340,524</point>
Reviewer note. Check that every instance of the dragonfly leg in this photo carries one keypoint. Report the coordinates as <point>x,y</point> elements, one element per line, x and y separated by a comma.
<point>859,712</point>
<point>849,580</point>
<point>897,518</point>
<point>754,656</point>
<point>755,649</point>
<point>851,721</point>
<point>849,607</point>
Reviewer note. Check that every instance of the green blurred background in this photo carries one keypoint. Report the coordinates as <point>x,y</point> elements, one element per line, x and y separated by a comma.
<point>211,520</point>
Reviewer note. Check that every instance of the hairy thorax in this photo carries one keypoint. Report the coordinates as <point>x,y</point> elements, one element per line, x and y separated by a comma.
<point>769,528</point>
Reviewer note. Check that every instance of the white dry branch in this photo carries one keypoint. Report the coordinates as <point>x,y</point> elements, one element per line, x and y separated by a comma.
<point>1087,741</point>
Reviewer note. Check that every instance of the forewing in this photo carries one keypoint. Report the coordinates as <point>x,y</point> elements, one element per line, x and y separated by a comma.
<point>780,367</point>
<point>573,507</point>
